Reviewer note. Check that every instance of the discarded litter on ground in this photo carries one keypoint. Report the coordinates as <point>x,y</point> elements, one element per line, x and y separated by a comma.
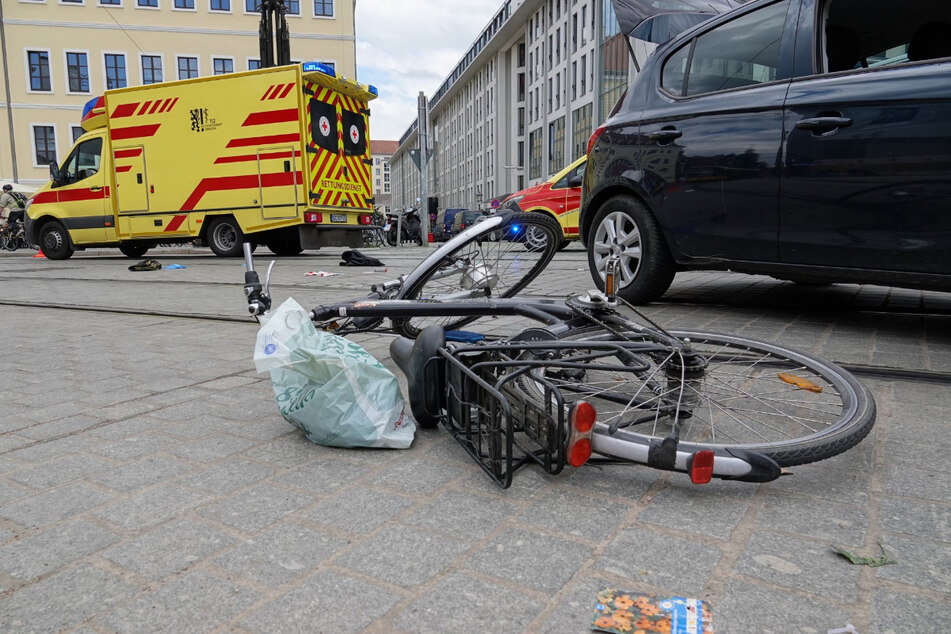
<point>329,387</point>
<point>624,612</point>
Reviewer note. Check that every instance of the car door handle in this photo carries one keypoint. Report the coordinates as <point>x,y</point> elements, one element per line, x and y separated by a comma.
<point>95,188</point>
<point>667,134</point>
<point>823,123</point>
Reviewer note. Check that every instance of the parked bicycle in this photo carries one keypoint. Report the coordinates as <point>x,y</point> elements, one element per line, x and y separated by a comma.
<point>12,236</point>
<point>589,383</point>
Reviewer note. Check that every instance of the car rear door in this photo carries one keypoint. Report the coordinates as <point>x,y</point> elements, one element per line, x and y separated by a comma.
<point>867,180</point>
<point>711,134</point>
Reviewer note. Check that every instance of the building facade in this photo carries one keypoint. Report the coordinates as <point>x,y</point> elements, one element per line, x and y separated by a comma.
<point>59,54</point>
<point>381,151</point>
<point>520,105</point>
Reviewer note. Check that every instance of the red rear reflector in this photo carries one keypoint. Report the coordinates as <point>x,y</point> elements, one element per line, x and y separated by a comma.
<point>701,467</point>
<point>579,452</point>
<point>581,421</point>
<point>583,417</point>
<point>313,217</point>
<point>365,219</point>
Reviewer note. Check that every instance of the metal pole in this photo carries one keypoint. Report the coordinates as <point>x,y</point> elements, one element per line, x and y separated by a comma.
<point>423,170</point>
<point>6,87</point>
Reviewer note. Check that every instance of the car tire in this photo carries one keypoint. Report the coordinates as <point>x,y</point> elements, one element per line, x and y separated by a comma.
<point>535,240</point>
<point>54,241</point>
<point>225,237</point>
<point>624,227</point>
<point>134,249</point>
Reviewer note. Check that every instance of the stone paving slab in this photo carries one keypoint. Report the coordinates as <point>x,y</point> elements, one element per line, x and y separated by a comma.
<point>148,483</point>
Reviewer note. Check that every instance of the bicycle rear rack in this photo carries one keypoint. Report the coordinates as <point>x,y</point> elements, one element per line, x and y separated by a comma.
<point>495,422</point>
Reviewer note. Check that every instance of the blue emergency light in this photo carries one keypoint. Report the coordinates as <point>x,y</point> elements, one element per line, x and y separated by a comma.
<point>90,105</point>
<point>310,67</point>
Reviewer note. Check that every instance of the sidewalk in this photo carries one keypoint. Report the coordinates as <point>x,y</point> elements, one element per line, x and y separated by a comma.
<point>148,483</point>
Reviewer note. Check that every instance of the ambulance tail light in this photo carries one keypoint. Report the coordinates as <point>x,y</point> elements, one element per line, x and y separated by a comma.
<point>313,217</point>
<point>365,219</point>
<point>581,426</point>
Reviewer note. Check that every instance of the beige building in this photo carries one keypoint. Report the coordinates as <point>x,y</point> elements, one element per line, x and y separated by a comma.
<point>59,54</point>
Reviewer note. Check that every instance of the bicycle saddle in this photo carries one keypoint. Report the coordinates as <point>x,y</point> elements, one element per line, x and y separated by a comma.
<point>424,388</point>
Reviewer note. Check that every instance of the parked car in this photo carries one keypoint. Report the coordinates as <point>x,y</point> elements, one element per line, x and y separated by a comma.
<point>465,218</point>
<point>803,139</point>
<point>442,227</point>
<point>559,197</point>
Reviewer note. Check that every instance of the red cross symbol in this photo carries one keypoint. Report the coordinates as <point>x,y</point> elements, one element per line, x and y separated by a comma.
<point>354,134</point>
<point>324,126</point>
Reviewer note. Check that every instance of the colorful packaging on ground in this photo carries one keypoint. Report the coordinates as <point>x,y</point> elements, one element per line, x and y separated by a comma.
<point>633,613</point>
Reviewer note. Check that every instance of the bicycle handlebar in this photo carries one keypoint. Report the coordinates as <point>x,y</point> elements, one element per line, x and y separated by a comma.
<point>547,311</point>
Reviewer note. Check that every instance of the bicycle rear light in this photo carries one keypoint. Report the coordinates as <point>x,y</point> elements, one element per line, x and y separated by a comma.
<point>700,466</point>
<point>581,419</point>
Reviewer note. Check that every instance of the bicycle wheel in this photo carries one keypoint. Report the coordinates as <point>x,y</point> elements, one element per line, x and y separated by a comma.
<point>724,391</point>
<point>7,241</point>
<point>478,268</point>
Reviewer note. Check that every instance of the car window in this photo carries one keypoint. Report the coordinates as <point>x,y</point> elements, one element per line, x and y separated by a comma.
<point>875,33</point>
<point>83,162</point>
<point>564,180</point>
<point>734,54</point>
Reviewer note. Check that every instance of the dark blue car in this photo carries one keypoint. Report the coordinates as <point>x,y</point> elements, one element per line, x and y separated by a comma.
<point>808,140</point>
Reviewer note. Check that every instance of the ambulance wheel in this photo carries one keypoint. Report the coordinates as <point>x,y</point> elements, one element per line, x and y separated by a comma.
<point>285,247</point>
<point>134,249</point>
<point>54,241</point>
<point>225,237</point>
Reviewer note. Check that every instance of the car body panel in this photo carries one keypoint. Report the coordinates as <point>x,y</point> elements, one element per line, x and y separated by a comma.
<point>558,197</point>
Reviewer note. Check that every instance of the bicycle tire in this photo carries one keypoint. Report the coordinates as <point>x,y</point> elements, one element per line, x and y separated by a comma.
<point>740,396</point>
<point>479,268</point>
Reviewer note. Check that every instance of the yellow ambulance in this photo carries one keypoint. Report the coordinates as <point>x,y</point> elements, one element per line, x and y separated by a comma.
<point>276,156</point>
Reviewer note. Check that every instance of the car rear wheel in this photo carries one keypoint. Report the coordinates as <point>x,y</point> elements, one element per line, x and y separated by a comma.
<point>625,228</point>
<point>225,237</point>
<point>134,249</point>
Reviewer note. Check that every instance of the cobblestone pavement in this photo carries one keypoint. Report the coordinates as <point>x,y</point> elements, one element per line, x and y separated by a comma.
<point>148,483</point>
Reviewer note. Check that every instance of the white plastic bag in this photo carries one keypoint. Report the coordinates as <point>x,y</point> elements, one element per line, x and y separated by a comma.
<point>330,388</point>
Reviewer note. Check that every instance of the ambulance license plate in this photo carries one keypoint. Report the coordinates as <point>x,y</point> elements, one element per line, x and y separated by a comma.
<point>338,217</point>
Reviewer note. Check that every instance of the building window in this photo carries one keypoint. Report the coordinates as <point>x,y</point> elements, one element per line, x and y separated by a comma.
<point>115,71</point>
<point>252,6</point>
<point>580,131</point>
<point>185,4</point>
<point>151,4</point>
<point>77,72</point>
<point>40,71</point>
<point>292,7</point>
<point>44,144</point>
<point>324,8</point>
<point>556,147</point>
<point>220,5</point>
<point>187,67</point>
<point>76,131</point>
<point>222,65</point>
<point>254,64</point>
<point>111,3</point>
<point>151,69</point>
<point>535,154</point>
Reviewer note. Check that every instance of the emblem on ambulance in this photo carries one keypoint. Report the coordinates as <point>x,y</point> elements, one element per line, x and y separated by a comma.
<point>354,134</point>
<point>324,126</point>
